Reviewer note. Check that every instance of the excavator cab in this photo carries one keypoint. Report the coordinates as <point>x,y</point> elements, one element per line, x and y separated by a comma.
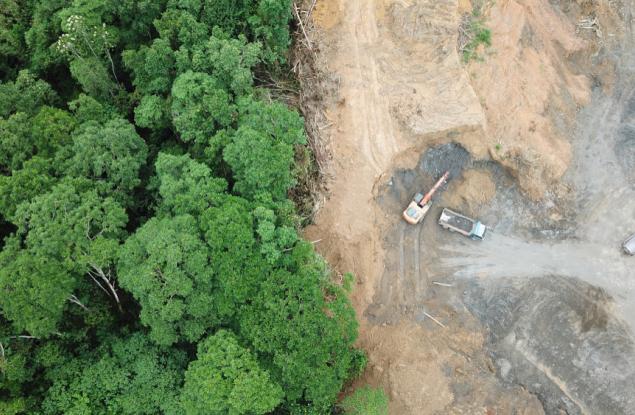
<point>415,213</point>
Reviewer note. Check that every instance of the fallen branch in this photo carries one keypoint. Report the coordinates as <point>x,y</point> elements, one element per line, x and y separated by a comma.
<point>301,23</point>
<point>434,319</point>
<point>442,284</point>
<point>310,11</point>
<point>465,35</point>
<point>590,23</point>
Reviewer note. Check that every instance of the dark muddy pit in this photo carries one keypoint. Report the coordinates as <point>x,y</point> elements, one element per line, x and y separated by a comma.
<point>556,338</point>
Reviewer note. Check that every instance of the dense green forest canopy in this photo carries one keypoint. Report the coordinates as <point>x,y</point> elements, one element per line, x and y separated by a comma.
<point>150,259</point>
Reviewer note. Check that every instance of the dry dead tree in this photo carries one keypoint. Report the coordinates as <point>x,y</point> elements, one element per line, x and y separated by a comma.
<point>96,273</point>
<point>73,299</point>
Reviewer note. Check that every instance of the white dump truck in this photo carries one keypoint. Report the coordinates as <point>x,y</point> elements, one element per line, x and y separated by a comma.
<point>455,222</point>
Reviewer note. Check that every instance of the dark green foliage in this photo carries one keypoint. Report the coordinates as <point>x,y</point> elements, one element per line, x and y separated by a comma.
<point>111,153</point>
<point>227,379</point>
<point>152,112</point>
<point>229,15</point>
<point>129,247</point>
<point>33,179</point>
<point>366,401</point>
<point>127,376</point>
<point>45,29</point>
<point>27,94</point>
<point>12,25</point>
<point>229,234</point>
<point>153,67</point>
<point>17,369</point>
<point>51,129</point>
<point>181,28</point>
<point>86,108</point>
<point>269,24</point>
<point>73,225</point>
<point>92,74</point>
<point>274,238</point>
<point>16,145</point>
<point>34,290</point>
<point>22,136</point>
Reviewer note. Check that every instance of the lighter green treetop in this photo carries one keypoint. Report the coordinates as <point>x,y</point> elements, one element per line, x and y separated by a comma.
<point>226,379</point>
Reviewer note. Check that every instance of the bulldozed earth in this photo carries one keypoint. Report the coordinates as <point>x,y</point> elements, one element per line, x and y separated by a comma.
<point>538,133</point>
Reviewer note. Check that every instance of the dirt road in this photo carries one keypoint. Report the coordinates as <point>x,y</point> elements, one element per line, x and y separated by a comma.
<point>536,318</point>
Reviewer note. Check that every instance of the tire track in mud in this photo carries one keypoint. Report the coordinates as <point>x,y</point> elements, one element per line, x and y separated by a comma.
<point>377,127</point>
<point>396,296</point>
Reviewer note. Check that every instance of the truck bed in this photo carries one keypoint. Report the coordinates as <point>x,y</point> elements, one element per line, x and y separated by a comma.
<point>456,221</point>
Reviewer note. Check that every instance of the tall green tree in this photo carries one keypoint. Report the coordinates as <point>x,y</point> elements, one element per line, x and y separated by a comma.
<point>307,339</point>
<point>270,24</point>
<point>51,130</point>
<point>16,144</point>
<point>63,236</point>
<point>187,186</point>
<point>35,290</point>
<point>153,67</point>
<point>261,150</point>
<point>166,267</point>
<point>22,136</point>
<point>44,29</point>
<point>181,28</point>
<point>226,378</point>
<point>229,61</point>
<point>237,265</point>
<point>17,371</point>
<point>13,23</point>
<point>33,179</point>
<point>111,153</point>
<point>72,224</point>
<point>200,107</point>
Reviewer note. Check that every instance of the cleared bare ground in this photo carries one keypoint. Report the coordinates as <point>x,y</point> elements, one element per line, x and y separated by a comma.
<point>540,139</point>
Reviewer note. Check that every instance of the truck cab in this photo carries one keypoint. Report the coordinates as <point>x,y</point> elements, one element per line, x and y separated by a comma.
<point>629,245</point>
<point>478,231</point>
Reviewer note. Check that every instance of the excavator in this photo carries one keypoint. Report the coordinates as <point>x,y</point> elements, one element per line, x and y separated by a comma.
<point>420,205</point>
